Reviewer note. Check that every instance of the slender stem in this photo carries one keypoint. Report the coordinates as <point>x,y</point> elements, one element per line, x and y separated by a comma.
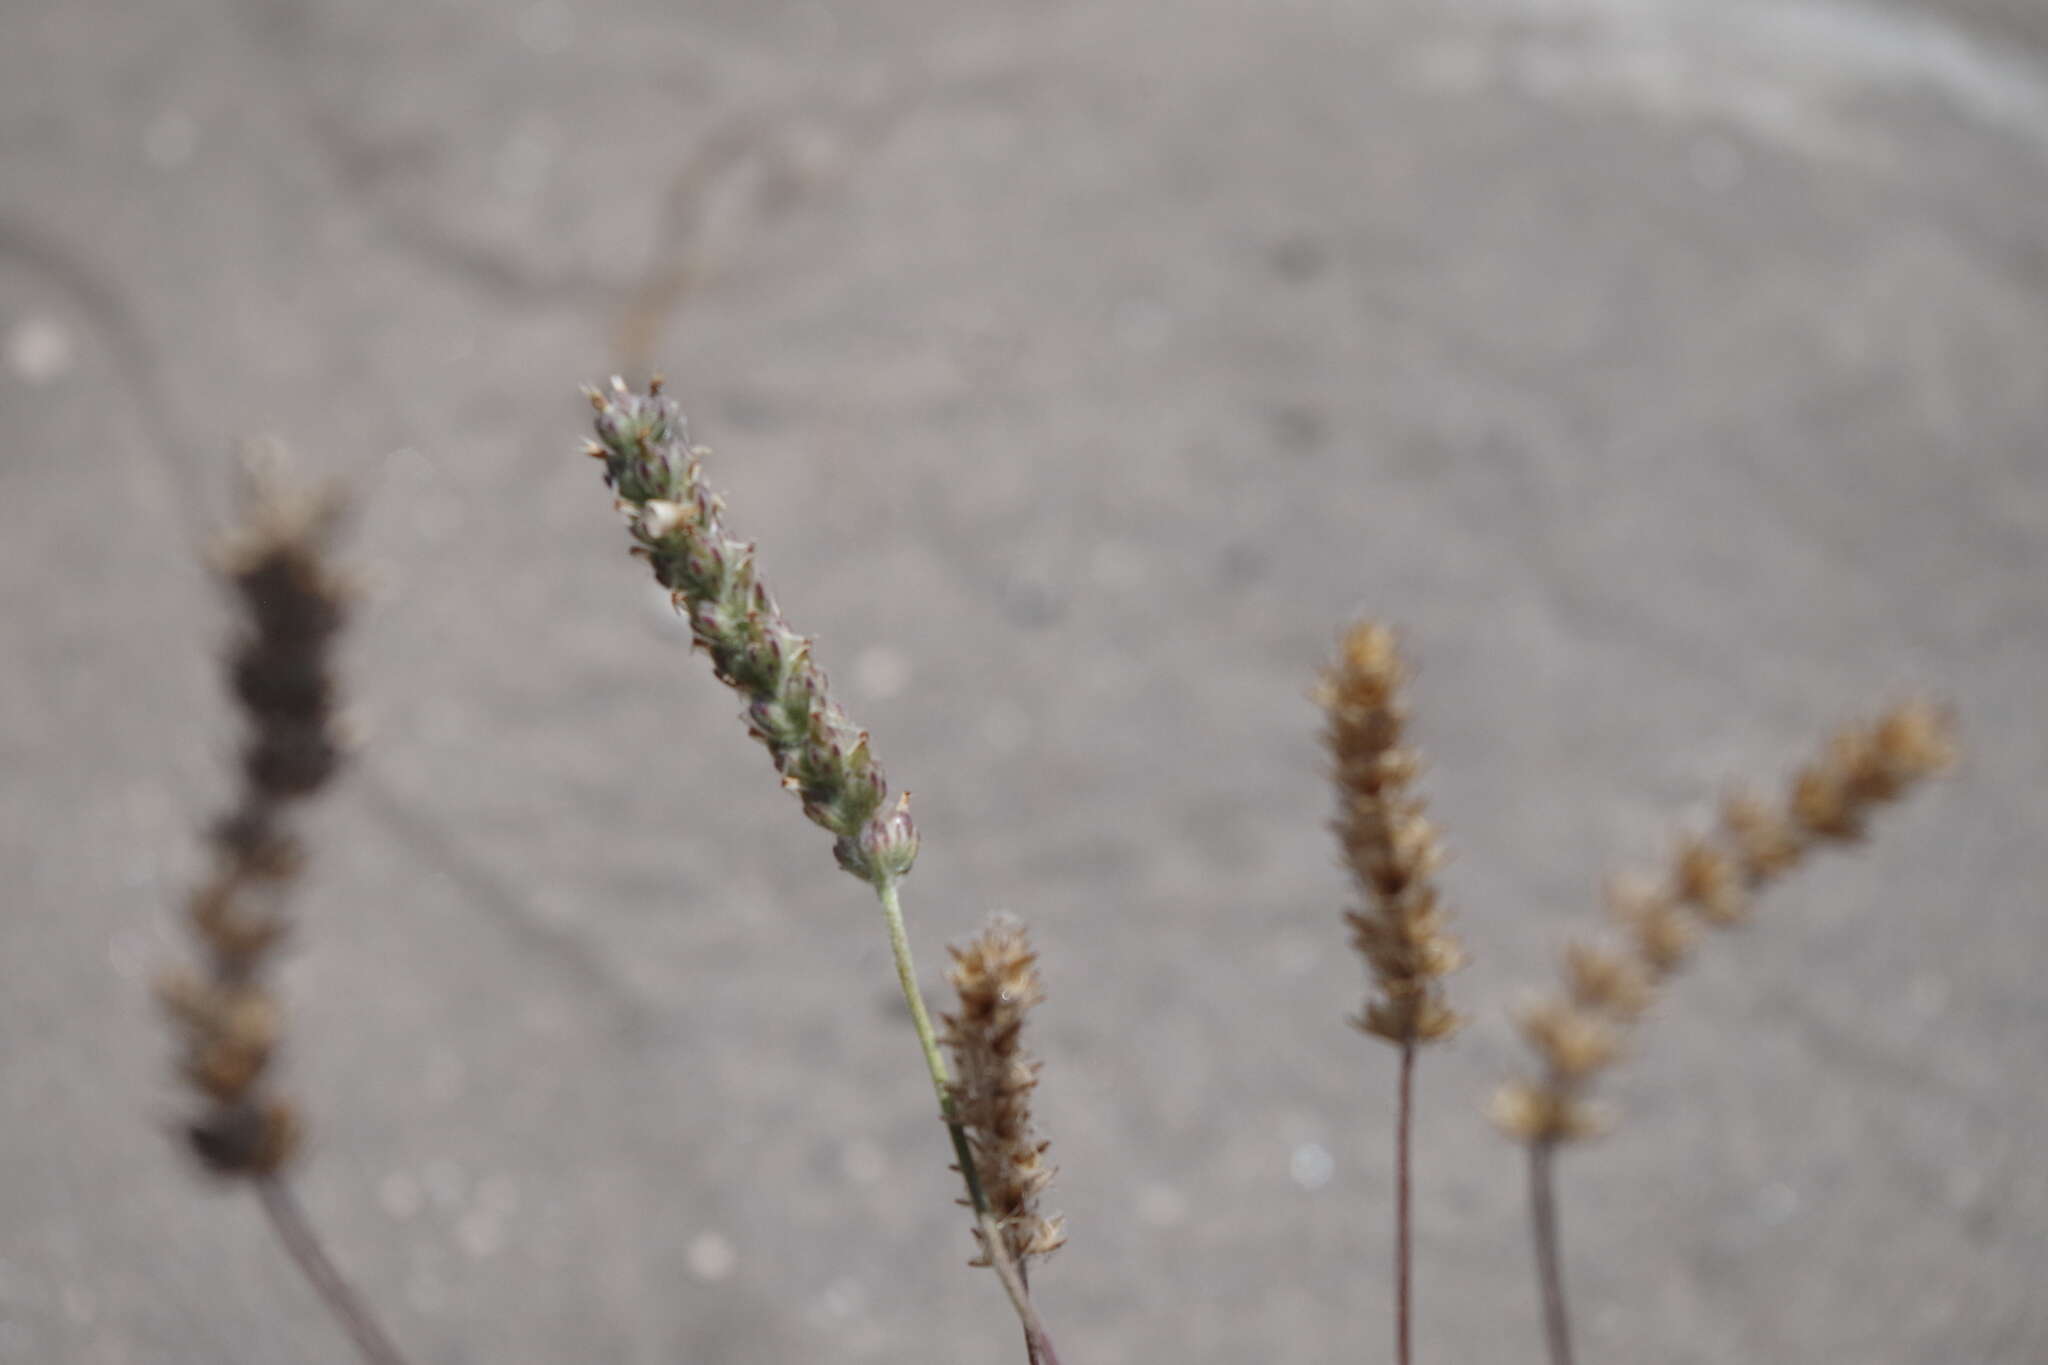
<point>928,1039</point>
<point>1031,1352</point>
<point>296,1232</point>
<point>1557,1327</point>
<point>1404,1255</point>
<point>1036,1339</point>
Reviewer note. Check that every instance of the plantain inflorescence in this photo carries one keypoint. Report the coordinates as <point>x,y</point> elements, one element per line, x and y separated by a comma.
<point>677,525</point>
<point>1712,882</point>
<point>293,604</point>
<point>997,981</point>
<point>1388,842</point>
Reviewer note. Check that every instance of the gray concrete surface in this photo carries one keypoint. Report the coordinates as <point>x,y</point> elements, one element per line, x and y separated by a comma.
<point>1675,370</point>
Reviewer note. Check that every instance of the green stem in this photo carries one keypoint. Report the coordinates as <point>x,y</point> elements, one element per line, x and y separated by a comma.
<point>928,1039</point>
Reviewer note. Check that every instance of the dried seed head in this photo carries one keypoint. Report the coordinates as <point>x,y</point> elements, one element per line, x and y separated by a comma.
<point>1765,841</point>
<point>1710,881</point>
<point>1572,1041</point>
<point>1866,766</point>
<point>1659,931</point>
<point>996,979</point>
<point>1531,1112</point>
<point>1607,980</point>
<point>1388,843</point>
<point>1914,740</point>
<point>1398,1018</point>
<point>293,604</point>
<point>247,1139</point>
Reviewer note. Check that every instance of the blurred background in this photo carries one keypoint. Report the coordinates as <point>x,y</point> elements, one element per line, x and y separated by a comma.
<point>1674,372</point>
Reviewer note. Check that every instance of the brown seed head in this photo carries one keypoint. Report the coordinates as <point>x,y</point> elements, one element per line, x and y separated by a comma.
<point>1766,843</point>
<point>1710,882</point>
<point>1607,980</point>
<point>1865,766</point>
<point>293,603</point>
<point>1574,1042</point>
<point>1658,931</point>
<point>1387,841</point>
<point>996,979</point>
<point>1531,1112</point>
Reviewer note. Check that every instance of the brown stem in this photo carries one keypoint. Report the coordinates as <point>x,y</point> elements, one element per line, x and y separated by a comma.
<point>293,1229</point>
<point>1031,1353</point>
<point>1042,1348</point>
<point>1010,1270</point>
<point>1404,1123</point>
<point>1557,1325</point>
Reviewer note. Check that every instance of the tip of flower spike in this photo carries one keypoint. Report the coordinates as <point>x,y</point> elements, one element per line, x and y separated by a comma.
<point>654,383</point>
<point>890,841</point>
<point>884,848</point>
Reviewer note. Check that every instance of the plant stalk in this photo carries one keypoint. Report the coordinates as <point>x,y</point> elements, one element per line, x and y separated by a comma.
<point>293,1228</point>
<point>1032,1355</point>
<point>1036,1339</point>
<point>1557,1328</point>
<point>1404,1255</point>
